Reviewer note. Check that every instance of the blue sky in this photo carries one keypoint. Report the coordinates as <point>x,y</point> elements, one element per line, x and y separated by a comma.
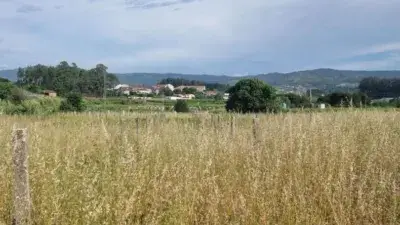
<point>202,36</point>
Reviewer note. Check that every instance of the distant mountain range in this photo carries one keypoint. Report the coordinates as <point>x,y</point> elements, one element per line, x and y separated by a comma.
<point>318,78</point>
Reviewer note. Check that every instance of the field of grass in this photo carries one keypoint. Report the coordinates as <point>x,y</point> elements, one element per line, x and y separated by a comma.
<point>150,105</point>
<point>320,168</point>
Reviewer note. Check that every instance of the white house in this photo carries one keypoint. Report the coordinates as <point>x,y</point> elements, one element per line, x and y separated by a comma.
<point>226,96</point>
<point>156,88</point>
<point>170,87</point>
<point>199,88</point>
<point>119,86</point>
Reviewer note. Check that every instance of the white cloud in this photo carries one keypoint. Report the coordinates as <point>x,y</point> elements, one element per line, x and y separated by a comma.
<point>380,48</point>
<point>288,34</point>
<point>390,62</point>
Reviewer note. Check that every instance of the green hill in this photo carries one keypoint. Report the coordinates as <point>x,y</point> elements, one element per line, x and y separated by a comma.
<point>319,78</point>
<point>9,74</point>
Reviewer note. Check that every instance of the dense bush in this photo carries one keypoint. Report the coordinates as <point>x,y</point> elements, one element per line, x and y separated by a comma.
<point>342,99</point>
<point>5,90</point>
<point>376,87</point>
<point>17,95</point>
<point>39,106</point>
<point>181,106</point>
<point>73,102</point>
<point>251,96</point>
<point>298,101</point>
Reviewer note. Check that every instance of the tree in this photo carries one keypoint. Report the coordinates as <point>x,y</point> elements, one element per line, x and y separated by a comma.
<point>73,102</point>
<point>189,91</point>
<point>250,96</point>
<point>166,91</point>
<point>181,106</point>
<point>17,95</point>
<point>5,90</point>
<point>337,99</point>
<point>177,91</point>
<point>298,101</point>
<point>376,87</point>
<point>65,78</point>
<point>218,97</point>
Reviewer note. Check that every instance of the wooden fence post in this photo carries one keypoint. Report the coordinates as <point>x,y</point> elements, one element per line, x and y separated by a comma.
<point>232,125</point>
<point>137,128</point>
<point>22,200</point>
<point>255,129</point>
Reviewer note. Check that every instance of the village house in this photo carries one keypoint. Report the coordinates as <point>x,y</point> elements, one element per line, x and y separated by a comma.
<point>180,96</point>
<point>141,90</point>
<point>210,93</point>
<point>156,88</point>
<point>119,86</point>
<point>50,93</point>
<point>199,88</point>
<point>226,96</point>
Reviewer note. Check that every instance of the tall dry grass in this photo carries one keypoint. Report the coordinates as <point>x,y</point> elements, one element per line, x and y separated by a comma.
<point>325,168</point>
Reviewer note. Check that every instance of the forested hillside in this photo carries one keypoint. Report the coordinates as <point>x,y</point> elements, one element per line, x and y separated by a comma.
<point>326,79</point>
<point>376,87</point>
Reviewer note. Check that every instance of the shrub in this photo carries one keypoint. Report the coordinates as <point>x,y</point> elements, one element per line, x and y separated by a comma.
<point>250,96</point>
<point>5,90</point>
<point>73,102</point>
<point>17,95</point>
<point>181,106</point>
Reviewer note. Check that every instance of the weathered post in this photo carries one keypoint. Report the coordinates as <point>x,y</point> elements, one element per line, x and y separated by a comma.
<point>137,128</point>
<point>22,200</point>
<point>255,129</point>
<point>232,123</point>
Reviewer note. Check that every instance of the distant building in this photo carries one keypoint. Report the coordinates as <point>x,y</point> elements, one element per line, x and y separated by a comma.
<point>210,93</point>
<point>141,90</point>
<point>50,93</point>
<point>226,96</point>
<point>126,92</point>
<point>169,86</point>
<point>183,97</point>
<point>156,88</point>
<point>119,86</point>
<point>199,88</point>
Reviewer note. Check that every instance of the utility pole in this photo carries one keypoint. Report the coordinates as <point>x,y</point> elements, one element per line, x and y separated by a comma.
<point>104,85</point>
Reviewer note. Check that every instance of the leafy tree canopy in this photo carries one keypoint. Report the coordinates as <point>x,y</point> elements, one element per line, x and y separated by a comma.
<point>181,106</point>
<point>337,99</point>
<point>250,96</point>
<point>297,101</point>
<point>5,90</point>
<point>73,102</point>
<point>189,91</point>
<point>380,87</point>
<point>65,78</point>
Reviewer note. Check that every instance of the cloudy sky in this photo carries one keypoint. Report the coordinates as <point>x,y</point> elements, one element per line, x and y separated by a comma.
<point>202,36</point>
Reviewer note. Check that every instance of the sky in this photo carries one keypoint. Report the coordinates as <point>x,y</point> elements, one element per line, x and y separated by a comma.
<point>232,37</point>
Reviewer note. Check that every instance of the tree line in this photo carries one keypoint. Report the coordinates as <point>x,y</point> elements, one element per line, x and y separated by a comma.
<point>376,87</point>
<point>65,78</point>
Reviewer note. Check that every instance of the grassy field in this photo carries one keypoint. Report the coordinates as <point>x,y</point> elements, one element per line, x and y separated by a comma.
<point>151,105</point>
<point>320,168</point>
